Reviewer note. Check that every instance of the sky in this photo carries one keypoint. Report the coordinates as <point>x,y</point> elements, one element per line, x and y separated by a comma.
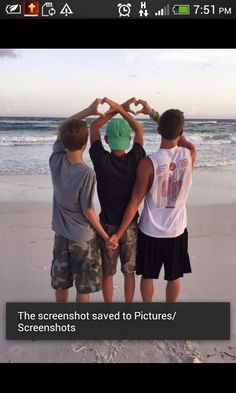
<point>61,82</point>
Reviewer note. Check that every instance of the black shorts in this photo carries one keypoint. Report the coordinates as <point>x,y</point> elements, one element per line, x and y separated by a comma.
<point>152,252</point>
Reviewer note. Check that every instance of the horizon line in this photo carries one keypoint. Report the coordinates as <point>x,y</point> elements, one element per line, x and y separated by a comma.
<point>93,116</point>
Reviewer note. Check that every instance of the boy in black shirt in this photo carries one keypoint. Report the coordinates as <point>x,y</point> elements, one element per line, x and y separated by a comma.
<point>116,172</point>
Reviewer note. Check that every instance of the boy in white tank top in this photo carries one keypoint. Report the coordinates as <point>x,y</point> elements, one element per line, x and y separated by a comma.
<point>164,178</point>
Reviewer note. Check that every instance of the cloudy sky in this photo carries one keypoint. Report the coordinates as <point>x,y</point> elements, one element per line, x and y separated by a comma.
<point>60,82</point>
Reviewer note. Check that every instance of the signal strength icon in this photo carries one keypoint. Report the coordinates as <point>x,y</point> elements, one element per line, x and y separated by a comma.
<point>165,11</point>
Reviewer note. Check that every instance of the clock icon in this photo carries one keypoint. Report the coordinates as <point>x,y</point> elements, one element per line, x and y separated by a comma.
<point>124,9</point>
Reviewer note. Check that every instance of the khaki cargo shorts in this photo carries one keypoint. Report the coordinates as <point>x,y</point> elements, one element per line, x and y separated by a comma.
<point>78,262</point>
<point>126,250</point>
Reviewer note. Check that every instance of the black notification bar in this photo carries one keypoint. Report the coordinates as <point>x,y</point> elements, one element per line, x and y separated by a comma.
<point>118,321</point>
<point>118,9</point>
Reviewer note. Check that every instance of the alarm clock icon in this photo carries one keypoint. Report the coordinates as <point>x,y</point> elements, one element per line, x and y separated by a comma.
<point>124,9</point>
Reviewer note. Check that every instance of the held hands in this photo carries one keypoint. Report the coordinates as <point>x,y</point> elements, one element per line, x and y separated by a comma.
<point>112,243</point>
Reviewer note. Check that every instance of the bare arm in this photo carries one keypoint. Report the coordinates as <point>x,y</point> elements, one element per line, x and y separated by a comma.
<point>144,180</point>
<point>94,221</point>
<point>90,110</point>
<point>183,142</point>
<point>134,124</point>
<point>97,124</point>
<point>86,196</point>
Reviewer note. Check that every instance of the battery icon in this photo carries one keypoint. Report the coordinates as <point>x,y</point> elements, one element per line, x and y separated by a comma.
<point>181,9</point>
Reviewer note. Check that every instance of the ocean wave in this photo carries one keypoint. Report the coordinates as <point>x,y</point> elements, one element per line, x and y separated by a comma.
<point>215,164</point>
<point>29,128</point>
<point>26,144</point>
<point>211,138</point>
<point>197,139</point>
<point>202,121</point>
<point>26,140</point>
<point>24,171</point>
<point>44,169</point>
<point>28,122</point>
<point>213,142</point>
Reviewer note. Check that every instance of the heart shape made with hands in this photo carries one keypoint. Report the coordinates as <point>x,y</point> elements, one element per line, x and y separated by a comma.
<point>136,106</point>
<point>103,108</point>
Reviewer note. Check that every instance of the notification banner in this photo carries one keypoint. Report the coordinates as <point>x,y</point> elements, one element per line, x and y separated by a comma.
<point>118,321</point>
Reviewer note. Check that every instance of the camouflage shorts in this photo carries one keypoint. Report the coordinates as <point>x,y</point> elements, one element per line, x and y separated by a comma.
<point>78,262</point>
<point>126,250</point>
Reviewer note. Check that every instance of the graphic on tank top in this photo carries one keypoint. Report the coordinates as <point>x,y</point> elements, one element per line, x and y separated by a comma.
<point>169,182</point>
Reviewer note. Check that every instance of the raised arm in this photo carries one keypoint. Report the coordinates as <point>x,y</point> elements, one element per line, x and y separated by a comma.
<point>97,124</point>
<point>134,124</point>
<point>92,109</point>
<point>144,180</point>
<point>183,142</point>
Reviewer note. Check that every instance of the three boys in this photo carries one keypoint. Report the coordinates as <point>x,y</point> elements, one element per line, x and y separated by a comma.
<point>164,177</point>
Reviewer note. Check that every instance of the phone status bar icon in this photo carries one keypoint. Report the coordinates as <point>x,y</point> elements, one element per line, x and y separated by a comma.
<point>165,11</point>
<point>13,9</point>
<point>124,9</point>
<point>31,8</point>
<point>181,9</point>
<point>48,10</point>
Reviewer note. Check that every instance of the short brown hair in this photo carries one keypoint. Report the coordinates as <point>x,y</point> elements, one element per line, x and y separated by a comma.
<point>171,124</point>
<point>74,134</point>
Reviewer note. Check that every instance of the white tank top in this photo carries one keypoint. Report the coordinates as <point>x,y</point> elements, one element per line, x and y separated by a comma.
<point>164,213</point>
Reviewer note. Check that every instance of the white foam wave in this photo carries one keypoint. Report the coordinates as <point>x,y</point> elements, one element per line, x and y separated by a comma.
<point>29,121</point>
<point>19,122</point>
<point>26,140</point>
<point>215,164</point>
<point>201,121</point>
<point>208,139</point>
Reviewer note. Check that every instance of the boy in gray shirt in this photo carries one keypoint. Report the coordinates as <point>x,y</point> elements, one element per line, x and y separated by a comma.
<point>76,254</point>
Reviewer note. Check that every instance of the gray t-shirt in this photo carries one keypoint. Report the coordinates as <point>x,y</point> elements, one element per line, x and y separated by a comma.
<point>73,186</point>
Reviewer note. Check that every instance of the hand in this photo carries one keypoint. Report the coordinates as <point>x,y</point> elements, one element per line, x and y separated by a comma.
<point>94,107</point>
<point>114,106</point>
<point>146,109</point>
<point>126,105</point>
<point>112,243</point>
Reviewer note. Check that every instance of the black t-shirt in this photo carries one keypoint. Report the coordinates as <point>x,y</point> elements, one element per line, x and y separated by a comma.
<point>115,179</point>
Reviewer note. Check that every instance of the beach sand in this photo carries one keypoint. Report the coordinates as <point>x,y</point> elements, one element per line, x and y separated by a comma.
<point>26,242</point>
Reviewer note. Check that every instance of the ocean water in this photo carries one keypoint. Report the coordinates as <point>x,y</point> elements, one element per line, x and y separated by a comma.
<point>26,142</point>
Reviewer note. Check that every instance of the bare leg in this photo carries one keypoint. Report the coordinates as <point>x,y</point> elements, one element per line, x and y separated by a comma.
<point>172,290</point>
<point>107,288</point>
<point>147,289</point>
<point>61,295</point>
<point>82,298</point>
<point>129,287</point>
